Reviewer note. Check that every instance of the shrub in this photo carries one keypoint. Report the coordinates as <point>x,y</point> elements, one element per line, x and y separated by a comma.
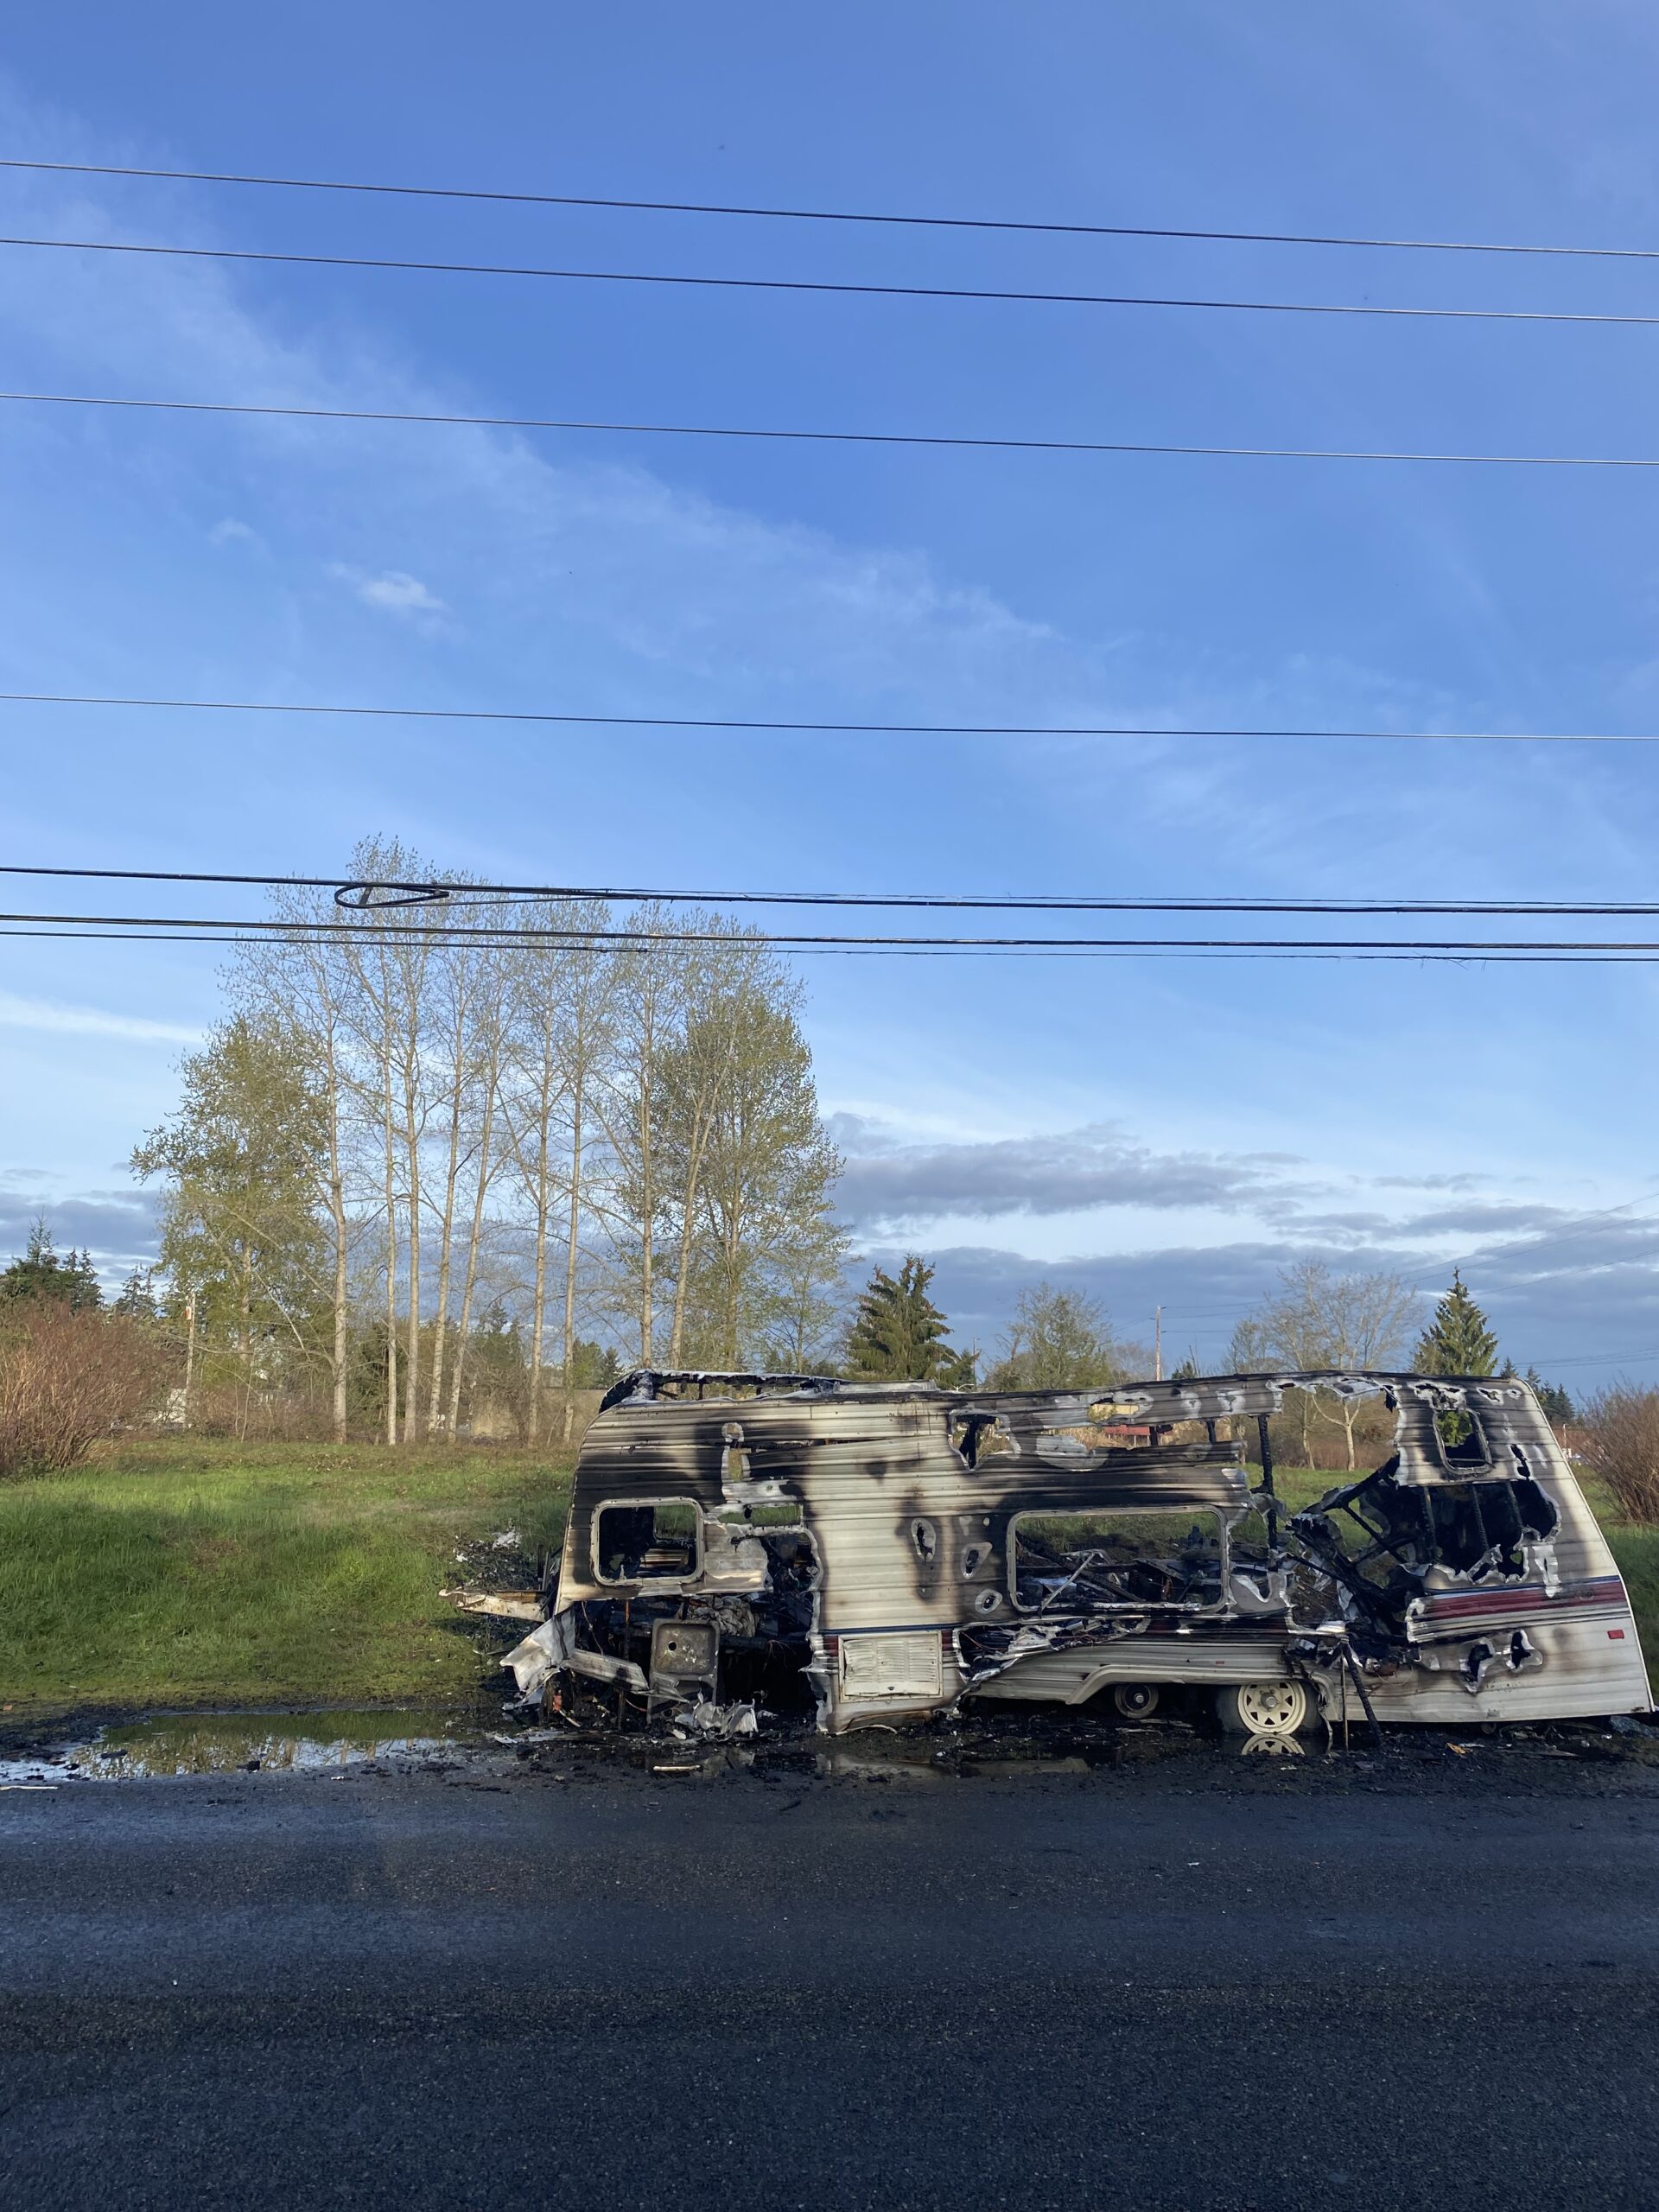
<point>286,1416</point>
<point>1621,1444</point>
<point>68,1378</point>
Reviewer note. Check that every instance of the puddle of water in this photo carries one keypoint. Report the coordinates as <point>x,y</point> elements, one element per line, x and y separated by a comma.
<point>226,1743</point>
<point>331,1743</point>
<point>917,1757</point>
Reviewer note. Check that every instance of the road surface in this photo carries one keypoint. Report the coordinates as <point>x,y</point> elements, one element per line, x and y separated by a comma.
<point>1421,1980</point>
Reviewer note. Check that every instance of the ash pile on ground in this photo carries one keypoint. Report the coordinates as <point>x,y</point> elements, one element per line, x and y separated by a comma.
<point>499,1561</point>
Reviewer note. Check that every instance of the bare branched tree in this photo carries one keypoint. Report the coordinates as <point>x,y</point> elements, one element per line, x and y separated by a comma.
<point>1318,1319</point>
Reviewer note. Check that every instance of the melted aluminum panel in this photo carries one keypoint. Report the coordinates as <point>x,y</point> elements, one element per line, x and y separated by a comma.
<point>905,1496</point>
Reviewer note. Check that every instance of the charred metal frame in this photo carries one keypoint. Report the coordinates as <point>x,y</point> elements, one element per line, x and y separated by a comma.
<point>855,1556</point>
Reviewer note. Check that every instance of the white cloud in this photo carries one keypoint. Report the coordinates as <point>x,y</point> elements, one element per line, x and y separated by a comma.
<point>394,590</point>
<point>232,533</point>
<point>16,1013</point>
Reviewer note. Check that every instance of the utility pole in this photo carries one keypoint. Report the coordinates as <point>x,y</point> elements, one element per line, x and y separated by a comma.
<point>1157,1344</point>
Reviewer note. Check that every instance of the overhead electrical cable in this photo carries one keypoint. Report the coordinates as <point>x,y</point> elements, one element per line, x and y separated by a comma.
<point>824,285</point>
<point>1057,950</point>
<point>758,723</point>
<point>840,214</point>
<point>257,928</point>
<point>355,896</point>
<point>822,437</point>
<point>1594,1359</point>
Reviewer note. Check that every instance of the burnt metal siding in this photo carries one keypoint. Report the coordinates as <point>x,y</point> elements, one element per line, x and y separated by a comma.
<point>908,1536</point>
<point>1519,1440</point>
<point>892,1508</point>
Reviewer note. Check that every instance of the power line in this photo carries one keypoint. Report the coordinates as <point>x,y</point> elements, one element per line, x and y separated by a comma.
<point>825,437</point>
<point>1059,951</point>
<point>824,285</point>
<point>260,928</point>
<point>355,895</point>
<point>1593,1359</point>
<point>824,729</point>
<point>136,932</point>
<point>842,215</point>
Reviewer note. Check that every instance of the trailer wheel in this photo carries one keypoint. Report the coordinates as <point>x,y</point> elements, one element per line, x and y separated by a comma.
<point>1135,1700</point>
<point>1262,1708</point>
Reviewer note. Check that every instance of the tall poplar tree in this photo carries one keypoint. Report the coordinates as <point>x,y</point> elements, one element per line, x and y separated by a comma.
<point>241,1236</point>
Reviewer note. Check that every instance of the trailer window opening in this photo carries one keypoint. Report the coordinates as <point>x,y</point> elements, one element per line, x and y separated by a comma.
<point>654,1540</point>
<point>1135,1558</point>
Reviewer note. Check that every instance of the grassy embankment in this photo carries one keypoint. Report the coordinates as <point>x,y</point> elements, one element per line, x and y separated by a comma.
<point>209,1573</point>
<point>202,1573</point>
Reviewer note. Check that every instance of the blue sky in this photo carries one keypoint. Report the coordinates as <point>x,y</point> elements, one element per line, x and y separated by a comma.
<point>1160,1131</point>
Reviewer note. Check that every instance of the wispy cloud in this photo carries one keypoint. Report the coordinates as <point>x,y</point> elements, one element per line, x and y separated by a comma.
<point>395,590</point>
<point>18,1012</point>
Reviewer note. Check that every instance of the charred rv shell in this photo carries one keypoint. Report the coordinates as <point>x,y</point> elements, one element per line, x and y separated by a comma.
<point>859,1553</point>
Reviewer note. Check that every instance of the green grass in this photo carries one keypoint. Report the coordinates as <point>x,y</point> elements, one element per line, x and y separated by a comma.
<point>207,1573</point>
<point>210,1574</point>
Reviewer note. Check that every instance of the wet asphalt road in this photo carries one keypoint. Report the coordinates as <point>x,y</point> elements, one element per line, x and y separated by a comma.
<point>1203,1984</point>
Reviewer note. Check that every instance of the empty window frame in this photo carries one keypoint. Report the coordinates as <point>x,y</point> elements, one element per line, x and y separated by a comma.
<point>1472,1524</point>
<point>1386,1525</point>
<point>1463,1442</point>
<point>647,1540</point>
<point>1134,1560</point>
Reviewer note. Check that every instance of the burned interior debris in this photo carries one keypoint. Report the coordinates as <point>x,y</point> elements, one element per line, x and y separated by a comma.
<point>746,1546</point>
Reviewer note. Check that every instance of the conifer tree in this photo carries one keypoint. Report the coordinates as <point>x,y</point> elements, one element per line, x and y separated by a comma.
<point>137,1299</point>
<point>1457,1341</point>
<point>1554,1402</point>
<point>898,1333</point>
<point>70,1278</point>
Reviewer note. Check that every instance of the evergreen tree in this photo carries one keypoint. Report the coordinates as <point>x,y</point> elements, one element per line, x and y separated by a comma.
<point>593,1367</point>
<point>1556,1405</point>
<point>898,1333</point>
<point>43,1273</point>
<point>137,1299</point>
<point>1457,1341</point>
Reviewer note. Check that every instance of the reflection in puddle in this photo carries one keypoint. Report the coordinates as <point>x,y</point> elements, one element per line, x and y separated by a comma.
<point>228,1743</point>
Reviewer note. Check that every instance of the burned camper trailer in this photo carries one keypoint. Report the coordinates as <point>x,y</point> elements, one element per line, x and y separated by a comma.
<point>853,1554</point>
